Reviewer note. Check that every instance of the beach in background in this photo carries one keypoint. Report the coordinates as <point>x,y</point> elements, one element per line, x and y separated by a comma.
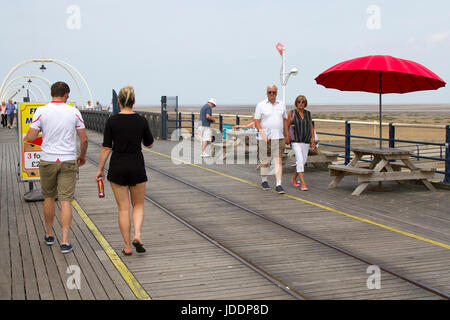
<point>402,113</point>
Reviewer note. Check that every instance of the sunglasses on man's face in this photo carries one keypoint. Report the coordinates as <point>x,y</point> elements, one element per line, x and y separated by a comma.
<point>301,101</point>
<point>271,92</point>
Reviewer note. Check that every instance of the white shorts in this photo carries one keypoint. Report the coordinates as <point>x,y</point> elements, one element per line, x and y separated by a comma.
<point>204,133</point>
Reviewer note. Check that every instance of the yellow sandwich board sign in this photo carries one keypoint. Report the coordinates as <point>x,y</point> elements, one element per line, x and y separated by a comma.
<point>29,152</point>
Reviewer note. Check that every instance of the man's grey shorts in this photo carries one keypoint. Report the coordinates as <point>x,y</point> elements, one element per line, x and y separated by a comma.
<point>58,178</point>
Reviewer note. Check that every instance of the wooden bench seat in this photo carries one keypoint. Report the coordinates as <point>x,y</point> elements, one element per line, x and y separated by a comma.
<point>349,170</point>
<point>329,153</point>
<point>399,165</point>
<point>224,146</point>
<point>316,157</point>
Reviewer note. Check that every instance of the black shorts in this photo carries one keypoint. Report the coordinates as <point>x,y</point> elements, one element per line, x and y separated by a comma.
<point>127,169</point>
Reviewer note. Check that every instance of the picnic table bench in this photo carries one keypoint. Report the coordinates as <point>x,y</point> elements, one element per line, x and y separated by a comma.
<point>316,157</point>
<point>234,139</point>
<point>386,165</point>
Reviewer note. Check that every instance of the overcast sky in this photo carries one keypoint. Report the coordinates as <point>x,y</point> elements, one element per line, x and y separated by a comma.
<point>223,49</point>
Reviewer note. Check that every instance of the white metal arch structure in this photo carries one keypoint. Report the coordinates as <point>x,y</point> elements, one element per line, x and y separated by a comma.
<point>32,84</point>
<point>20,77</point>
<point>62,64</point>
<point>20,87</point>
<point>9,93</point>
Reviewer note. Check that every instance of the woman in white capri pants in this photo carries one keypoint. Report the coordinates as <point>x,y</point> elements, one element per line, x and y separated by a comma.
<point>301,122</point>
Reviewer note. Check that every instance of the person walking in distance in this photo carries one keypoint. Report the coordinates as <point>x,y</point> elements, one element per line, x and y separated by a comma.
<point>3,114</point>
<point>300,121</point>
<point>10,107</point>
<point>204,129</point>
<point>271,122</point>
<point>59,162</point>
<point>124,134</point>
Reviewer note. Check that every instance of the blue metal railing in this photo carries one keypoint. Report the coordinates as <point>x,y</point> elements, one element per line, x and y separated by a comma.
<point>96,119</point>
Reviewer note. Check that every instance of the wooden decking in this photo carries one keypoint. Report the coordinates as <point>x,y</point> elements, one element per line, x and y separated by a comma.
<point>409,234</point>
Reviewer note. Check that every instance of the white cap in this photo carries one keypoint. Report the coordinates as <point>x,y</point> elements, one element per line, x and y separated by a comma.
<point>213,101</point>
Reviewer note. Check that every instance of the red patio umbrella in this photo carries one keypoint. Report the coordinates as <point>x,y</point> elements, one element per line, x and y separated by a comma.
<point>380,74</point>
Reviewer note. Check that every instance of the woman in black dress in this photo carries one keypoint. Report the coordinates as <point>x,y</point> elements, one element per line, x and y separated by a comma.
<point>124,133</point>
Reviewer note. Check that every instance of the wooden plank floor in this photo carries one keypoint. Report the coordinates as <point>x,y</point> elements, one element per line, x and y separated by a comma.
<point>416,258</point>
<point>29,268</point>
<point>181,265</point>
<point>175,266</point>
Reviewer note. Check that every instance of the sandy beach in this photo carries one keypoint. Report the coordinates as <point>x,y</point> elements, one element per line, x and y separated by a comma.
<point>401,113</point>
<point>433,114</point>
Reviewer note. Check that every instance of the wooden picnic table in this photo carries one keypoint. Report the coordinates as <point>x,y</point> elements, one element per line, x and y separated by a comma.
<point>242,134</point>
<point>235,138</point>
<point>386,165</point>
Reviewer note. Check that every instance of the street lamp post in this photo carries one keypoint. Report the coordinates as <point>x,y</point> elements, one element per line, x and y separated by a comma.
<point>284,76</point>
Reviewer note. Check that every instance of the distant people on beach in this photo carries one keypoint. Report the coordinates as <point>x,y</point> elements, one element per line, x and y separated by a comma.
<point>271,122</point>
<point>204,129</point>
<point>98,106</point>
<point>302,137</point>
<point>59,162</point>
<point>3,114</point>
<point>124,134</point>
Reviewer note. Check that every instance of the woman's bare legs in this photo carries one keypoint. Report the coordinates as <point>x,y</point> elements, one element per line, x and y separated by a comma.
<point>137,200</point>
<point>302,179</point>
<point>121,193</point>
<point>295,176</point>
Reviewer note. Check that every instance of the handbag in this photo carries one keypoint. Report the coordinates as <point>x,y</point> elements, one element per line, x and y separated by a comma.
<point>291,132</point>
<point>291,129</point>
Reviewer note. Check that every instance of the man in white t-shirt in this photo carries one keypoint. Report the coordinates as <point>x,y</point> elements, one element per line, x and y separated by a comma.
<point>59,162</point>
<point>271,122</point>
<point>89,106</point>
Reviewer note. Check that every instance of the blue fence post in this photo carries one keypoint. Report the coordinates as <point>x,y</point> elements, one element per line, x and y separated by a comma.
<point>164,118</point>
<point>179,121</point>
<point>220,123</point>
<point>447,155</point>
<point>347,142</point>
<point>193,121</point>
<point>391,136</point>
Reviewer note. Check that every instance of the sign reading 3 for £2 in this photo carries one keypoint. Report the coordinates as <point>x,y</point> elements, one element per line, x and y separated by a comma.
<point>30,151</point>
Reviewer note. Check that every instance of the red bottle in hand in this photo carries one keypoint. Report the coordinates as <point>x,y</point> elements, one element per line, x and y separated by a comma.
<point>101,188</point>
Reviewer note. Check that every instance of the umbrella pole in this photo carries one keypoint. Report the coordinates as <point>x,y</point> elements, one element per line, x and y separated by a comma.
<point>381,135</point>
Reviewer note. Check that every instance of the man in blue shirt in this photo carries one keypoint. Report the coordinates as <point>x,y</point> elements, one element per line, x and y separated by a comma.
<point>204,130</point>
<point>10,113</point>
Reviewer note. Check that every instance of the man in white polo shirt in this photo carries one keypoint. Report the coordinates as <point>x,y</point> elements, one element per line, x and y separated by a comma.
<point>271,122</point>
<point>59,162</point>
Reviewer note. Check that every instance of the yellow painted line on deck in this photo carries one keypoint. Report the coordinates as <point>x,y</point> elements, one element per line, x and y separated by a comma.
<point>129,278</point>
<point>408,234</point>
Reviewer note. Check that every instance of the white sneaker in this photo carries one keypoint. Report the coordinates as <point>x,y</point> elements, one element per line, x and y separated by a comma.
<point>204,154</point>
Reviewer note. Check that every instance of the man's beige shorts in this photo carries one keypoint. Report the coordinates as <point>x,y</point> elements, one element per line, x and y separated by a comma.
<point>58,178</point>
<point>267,149</point>
<point>204,133</point>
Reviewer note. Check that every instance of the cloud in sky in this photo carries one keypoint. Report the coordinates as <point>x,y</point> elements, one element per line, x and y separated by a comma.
<point>439,37</point>
<point>226,49</point>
